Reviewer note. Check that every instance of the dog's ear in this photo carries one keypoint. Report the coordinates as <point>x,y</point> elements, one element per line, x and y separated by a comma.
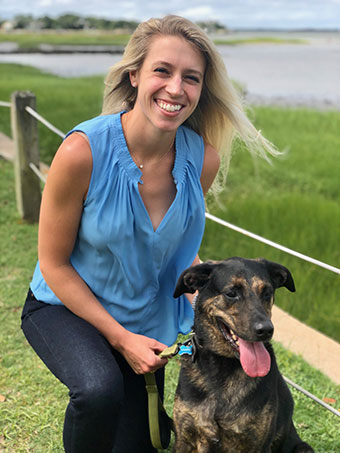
<point>280,275</point>
<point>193,278</point>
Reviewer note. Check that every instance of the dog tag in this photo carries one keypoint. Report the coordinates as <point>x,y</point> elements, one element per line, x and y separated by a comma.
<point>185,350</point>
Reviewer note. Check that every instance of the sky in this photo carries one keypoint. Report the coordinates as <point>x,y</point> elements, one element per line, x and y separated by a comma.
<point>235,14</point>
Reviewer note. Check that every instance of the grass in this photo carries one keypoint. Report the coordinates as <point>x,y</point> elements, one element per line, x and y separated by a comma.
<point>258,40</point>
<point>294,202</point>
<point>58,99</point>
<point>27,40</point>
<point>32,40</point>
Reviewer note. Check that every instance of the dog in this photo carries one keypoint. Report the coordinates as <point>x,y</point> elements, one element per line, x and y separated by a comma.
<point>231,396</point>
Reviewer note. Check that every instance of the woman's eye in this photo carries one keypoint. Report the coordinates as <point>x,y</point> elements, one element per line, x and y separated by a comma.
<point>193,79</point>
<point>161,70</point>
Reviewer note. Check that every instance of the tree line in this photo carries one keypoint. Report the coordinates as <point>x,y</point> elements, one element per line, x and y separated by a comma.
<point>69,22</point>
<point>75,22</point>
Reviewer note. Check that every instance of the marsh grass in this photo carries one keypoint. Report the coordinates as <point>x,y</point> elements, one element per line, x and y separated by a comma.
<point>32,40</point>
<point>258,40</point>
<point>60,100</point>
<point>27,40</point>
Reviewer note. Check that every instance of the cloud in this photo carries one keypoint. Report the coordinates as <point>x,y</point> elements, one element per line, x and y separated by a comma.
<point>203,12</point>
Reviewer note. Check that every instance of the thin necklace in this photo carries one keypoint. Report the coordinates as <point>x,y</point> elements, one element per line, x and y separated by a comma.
<point>141,166</point>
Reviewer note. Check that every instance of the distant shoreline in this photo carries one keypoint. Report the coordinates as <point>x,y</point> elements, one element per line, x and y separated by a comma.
<point>14,48</point>
<point>68,43</point>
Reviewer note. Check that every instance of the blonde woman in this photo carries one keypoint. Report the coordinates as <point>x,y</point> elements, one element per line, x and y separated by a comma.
<point>122,216</point>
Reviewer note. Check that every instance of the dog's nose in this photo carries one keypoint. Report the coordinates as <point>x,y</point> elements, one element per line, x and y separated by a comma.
<point>264,330</point>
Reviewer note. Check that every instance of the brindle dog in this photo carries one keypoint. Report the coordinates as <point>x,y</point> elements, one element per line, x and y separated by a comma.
<point>231,396</point>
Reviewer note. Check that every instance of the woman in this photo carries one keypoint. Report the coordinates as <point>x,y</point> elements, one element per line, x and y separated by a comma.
<point>122,216</point>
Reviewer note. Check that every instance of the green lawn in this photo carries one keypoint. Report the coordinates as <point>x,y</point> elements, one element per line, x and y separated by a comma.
<point>293,202</point>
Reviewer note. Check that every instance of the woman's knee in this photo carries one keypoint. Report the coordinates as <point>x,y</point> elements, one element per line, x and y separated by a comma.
<point>98,396</point>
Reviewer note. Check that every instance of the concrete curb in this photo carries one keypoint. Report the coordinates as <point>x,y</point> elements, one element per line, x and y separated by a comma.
<point>316,348</point>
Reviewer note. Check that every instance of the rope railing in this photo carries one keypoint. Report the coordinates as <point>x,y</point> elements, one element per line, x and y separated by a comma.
<point>311,396</point>
<point>272,244</point>
<point>36,170</point>
<point>44,121</point>
<point>5,104</point>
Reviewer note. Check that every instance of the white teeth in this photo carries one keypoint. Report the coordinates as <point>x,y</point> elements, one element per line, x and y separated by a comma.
<point>233,336</point>
<point>169,107</point>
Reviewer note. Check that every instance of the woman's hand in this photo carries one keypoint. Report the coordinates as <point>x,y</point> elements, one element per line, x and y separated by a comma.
<point>141,352</point>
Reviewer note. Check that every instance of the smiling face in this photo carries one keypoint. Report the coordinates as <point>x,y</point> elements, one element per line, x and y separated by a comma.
<point>169,83</point>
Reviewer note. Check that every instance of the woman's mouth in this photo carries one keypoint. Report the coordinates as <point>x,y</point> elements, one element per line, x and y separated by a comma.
<point>169,107</point>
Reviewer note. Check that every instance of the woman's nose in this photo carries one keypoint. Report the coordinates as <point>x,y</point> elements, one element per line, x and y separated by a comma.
<point>174,86</point>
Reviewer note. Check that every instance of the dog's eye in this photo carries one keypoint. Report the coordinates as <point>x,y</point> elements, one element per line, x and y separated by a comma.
<point>267,294</point>
<point>231,295</point>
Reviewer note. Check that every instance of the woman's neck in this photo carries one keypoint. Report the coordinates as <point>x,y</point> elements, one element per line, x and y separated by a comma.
<point>145,141</point>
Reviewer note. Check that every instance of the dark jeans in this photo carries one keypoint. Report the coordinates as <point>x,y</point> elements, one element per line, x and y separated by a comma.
<point>107,411</point>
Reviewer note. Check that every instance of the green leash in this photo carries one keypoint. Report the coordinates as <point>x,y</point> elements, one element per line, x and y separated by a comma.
<point>156,409</point>
<point>155,406</point>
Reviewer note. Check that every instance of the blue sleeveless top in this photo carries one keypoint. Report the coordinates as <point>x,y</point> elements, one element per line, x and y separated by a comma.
<point>131,268</point>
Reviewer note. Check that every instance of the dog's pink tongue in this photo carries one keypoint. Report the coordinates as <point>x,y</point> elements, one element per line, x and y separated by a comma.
<point>254,358</point>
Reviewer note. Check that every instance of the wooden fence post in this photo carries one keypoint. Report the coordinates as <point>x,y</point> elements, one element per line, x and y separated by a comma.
<point>25,135</point>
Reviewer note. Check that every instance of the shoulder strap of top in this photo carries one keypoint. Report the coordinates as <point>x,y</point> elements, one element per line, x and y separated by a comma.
<point>195,147</point>
<point>93,126</point>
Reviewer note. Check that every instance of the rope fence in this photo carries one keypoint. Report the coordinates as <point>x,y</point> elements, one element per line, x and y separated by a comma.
<point>272,244</point>
<point>34,167</point>
<point>311,396</point>
<point>44,121</point>
<point>36,170</point>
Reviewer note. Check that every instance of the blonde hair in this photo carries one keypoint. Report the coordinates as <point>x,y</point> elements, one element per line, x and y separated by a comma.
<point>219,115</point>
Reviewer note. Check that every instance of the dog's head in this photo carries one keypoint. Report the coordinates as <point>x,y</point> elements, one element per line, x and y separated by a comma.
<point>233,310</point>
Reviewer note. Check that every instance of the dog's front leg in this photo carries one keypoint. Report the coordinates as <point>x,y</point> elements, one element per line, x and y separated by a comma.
<point>200,446</point>
<point>184,443</point>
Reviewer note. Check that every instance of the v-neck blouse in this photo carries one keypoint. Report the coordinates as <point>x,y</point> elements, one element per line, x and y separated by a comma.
<point>131,268</point>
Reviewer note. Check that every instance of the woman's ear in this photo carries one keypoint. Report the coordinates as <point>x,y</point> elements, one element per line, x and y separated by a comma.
<point>133,78</point>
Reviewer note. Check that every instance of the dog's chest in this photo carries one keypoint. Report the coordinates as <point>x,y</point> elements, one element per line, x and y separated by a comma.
<point>223,412</point>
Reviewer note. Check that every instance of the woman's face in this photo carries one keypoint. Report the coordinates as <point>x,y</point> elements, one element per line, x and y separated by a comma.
<point>169,83</point>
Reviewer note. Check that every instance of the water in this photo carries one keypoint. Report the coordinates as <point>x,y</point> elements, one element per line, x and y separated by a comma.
<point>286,74</point>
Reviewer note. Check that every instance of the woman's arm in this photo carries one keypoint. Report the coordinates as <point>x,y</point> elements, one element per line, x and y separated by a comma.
<point>61,210</point>
<point>211,164</point>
